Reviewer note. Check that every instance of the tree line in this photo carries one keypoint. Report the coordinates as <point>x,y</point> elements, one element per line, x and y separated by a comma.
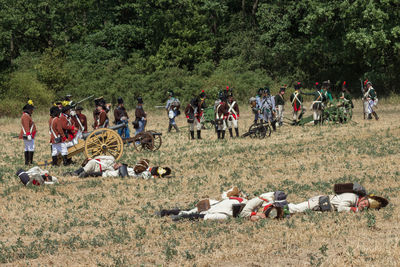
<point>146,47</point>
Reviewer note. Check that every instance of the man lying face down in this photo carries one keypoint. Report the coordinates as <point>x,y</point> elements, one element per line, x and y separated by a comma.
<point>349,197</point>
<point>233,204</point>
<point>106,166</point>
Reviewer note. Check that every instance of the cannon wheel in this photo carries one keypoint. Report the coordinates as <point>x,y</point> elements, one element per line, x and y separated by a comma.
<point>144,141</point>
<point>260,130</point>
<point>104,142</point>
<point>157,140</point>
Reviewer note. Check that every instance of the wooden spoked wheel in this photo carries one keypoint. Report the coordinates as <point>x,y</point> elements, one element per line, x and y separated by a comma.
<point>144,141</point>
<point>105,142</point>
<point>157,140</point>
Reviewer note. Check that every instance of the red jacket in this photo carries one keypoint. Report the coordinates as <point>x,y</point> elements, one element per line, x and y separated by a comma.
<point>56,130</point>
<point>28,125</point>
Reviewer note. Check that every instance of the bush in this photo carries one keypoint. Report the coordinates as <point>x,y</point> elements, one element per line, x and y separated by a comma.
<point>24,84</point>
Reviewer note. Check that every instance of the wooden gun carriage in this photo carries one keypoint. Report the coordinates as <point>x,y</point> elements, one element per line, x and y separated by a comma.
<point>106,141</point>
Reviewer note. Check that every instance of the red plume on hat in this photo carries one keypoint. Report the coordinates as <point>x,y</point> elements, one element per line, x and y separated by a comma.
<point>227,88</point>
<point>316,83</point>
<point>344,83</point>
<point>365,82</point>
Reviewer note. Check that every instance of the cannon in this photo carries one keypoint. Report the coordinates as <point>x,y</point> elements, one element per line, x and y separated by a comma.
<point>259,130</point>
<point>145,141</point>
<point>103,141</point>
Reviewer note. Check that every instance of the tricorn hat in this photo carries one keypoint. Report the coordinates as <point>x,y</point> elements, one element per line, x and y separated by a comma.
<point>160,171</point>
<point>280,199</point>
<point>120,100</point>
<point>376,202</point>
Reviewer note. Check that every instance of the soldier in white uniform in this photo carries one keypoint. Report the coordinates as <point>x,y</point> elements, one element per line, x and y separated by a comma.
<point>264,201</point>
<point>210,209</point>
<point>233,110</point>
<point>36,176</point>
<point>345,202</point>
<point>268,108</point>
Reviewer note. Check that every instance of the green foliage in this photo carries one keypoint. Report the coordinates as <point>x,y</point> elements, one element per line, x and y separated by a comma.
<point>148,47</point>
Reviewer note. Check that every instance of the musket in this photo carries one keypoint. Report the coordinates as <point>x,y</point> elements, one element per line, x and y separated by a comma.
<point>80,101</point>
<point>362,96</point>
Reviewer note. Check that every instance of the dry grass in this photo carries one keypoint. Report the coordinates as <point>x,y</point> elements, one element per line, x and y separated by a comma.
<point>109,222</point>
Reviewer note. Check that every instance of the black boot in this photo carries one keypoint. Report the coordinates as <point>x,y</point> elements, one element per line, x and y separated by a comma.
<point>176,128</point>
<point>83,174</point>
<point>237,132</point>
<point>198,134</point>
<point>169,127</point>
<point>230,132</point>
<point>219,134</point>
<point>65,160</point>
<point>26,154</point>
<point>31,157</point>
<point>223,134</point>
<point>77,172</point>
<point>375,115</point>
<point>369,117</point>
<point>169,212</point>
<point>55,160</point>
<point>192,134</point>
<point>273,125</point>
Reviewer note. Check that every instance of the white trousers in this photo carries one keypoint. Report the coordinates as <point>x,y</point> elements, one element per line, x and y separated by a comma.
<point>371,104</point>
<point>29,145</point>
<point>223,126</point>
<point>60,148</point>
<point>196,124</point>
<point>280,113</point>
<point>216,216</point>
<point>311,204</point>
<point>232,122</point>
<point>317,114</point>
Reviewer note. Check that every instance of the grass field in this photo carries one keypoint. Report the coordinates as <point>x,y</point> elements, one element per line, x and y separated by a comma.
<point>111,222</point>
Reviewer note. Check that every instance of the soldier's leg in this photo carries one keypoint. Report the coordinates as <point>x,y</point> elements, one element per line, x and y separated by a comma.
<point>216,216</point>
<point>31,150</point>
<point>315,115</point>
<point>198,129</point>
<point>373,112</point>
<point>230,128</point>
<point>191,129</point>
<point>127,131</point>
<point>311,204</point>
<point>219,131</point>
<point>294,117</point>
<point>90,166</point>
<point>173,123</point>
<point>235,125</point>
<point>64,154</point>
<point>224,126</point>
<point>280,115</point>
<point>55,151</point>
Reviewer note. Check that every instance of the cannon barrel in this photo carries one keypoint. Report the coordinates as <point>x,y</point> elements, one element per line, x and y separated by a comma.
<point>114,127</point>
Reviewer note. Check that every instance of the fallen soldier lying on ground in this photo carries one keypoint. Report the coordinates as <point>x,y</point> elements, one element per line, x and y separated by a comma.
<point>233,204</point>
<point>106,166</point>
<point>36,176</point>
<point>348,197</point>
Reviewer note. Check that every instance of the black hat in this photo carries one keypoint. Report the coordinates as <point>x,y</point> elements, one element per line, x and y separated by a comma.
<point>282,89</point>
<point>23,176</point>
<point>68,97</point>
<point>297,85</point>
<point>55,111</point>
<point>170,93</point>
<point>28,107</point>
<point>266,90</point>
<point>260,91</point>
<point>140,100</point>
<point>318,85</point>
<point>58,102</point>
<point>79,108</point>
<point>344,85</point>
<point>280,199</point>
<point>120,100</point>
<point>202,94</point>
<point>66,108</point>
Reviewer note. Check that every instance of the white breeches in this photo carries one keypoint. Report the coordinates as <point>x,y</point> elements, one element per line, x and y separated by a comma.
<point>216,216</point>
<point>92,166</point>
<point>223,126</point>
<point>371,104</point>
<point>75,140</point>
<point>233,122</point>
<point>196,124</point>
<point>280,113</point>
<point>317,114</point>
<point>29,145</point>
<point>60,148</point>
<point>311,204</point>
<point>296,115</point>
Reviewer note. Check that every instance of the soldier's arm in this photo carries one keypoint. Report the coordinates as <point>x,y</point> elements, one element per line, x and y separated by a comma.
<point>117,115</point>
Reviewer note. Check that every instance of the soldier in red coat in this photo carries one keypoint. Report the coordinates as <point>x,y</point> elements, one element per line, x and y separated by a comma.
<point>80,120</point>
<point>57,137</point>
<point>28,132</point>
